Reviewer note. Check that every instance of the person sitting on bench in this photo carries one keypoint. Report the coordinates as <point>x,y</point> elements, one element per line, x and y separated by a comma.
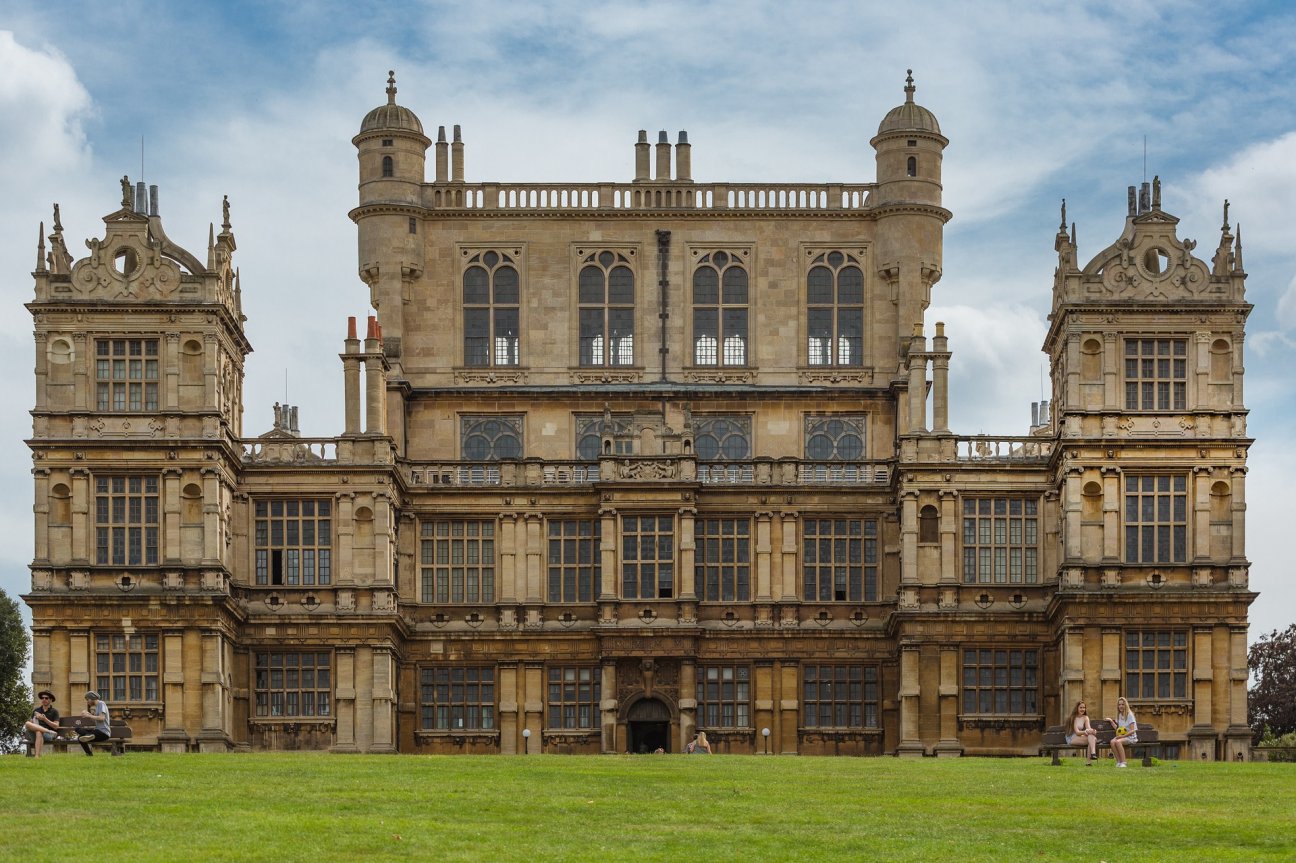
<point>1126,729</point>
<point>98,711</point>
<point>44,723</point>
<point>1082,732</point>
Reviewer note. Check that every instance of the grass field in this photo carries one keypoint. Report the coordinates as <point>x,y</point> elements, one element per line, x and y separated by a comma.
<point>296,806</point>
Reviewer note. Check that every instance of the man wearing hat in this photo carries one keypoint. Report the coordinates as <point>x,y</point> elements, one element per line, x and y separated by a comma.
<point>98,711</point>
<point>44,723</point>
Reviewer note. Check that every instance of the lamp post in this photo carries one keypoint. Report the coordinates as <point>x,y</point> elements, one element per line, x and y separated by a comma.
<point>765,734</point>
<point>526,741</point>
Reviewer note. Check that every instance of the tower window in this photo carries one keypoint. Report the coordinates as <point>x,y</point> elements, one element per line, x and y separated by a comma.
<point>912,169</point>
<point>912,142</point>
<point>413,225</point>
<point>387,142</point>
<point>720,311</point>
<point>835,311</point>
<point>388,168</point>
<point>607,298</point>
<point>490,307</point>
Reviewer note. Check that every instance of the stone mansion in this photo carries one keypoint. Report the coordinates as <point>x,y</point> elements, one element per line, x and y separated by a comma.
<point>625,460</point>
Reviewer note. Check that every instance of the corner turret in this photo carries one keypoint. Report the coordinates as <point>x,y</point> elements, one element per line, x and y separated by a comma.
<point>909,147</point>
<point>392,152</point>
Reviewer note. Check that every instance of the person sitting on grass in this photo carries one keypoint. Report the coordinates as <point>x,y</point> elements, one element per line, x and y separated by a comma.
<point>44,723</point>
<point>1126,730</point>
<point>1082,732</point>
<point>98,711</point>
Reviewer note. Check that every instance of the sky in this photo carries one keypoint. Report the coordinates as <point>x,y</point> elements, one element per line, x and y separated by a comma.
<point>1040,101</point>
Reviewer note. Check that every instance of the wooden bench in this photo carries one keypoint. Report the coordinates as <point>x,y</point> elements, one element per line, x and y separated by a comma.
<point>118,733</point>
<point>1054,740</point>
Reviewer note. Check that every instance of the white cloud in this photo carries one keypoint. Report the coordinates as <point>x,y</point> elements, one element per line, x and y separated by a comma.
<point>42,107</point>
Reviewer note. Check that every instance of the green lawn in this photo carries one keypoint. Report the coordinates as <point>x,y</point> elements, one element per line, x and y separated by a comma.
<point>296,806</point>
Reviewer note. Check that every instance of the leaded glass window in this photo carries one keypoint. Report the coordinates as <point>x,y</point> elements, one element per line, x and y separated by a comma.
<point>606,292</point>
<point>720,300</point>
<point>835,311</point>
<point>491,295</point>
<point>490,438</point>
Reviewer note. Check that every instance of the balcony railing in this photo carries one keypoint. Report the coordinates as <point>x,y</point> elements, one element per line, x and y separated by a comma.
<point>761,472</point>
<point>988,448</point>
<point>298,450</point>
<point>738,197</point>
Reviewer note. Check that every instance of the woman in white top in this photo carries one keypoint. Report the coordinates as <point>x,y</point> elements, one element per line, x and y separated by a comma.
<point>1126,729</point>
<point>1082,732</point>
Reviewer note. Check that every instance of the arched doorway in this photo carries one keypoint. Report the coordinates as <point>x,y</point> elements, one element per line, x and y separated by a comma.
<point>648,726</point>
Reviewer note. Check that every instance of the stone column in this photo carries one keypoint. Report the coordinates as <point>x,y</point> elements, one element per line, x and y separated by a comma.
<point>344,538</point>
<point>1239,506</point>
<point>1238,369</point>
<point>41,512</point>
<point>1110,674</point>
<point>1198,362</point>
<point>1111,504</point>
<point>763,552</point>
<point>1071,671</point>
<point>909,537</point>
<point>511,680</point>
<point>789,576</point>
<point>534,561</point>
<point>687,551</point>
<point>211,368</point>
<point>940,380</point>
<point>344,698</point>
<point>949,524</point>
<point>351,379</point>
<point>173,737</point>
<point>509,581</point>
<point>1113,363</point>
<point>1201,736</point>
<point>949,744</point>
<point>764,697</point>
<point>83,530</point>
<point>1071,505</point>
<point>687,702</point>
<point>918,382</point>
<point>382,537</point>
<point>82,373</point>
<point>1238,736</point>
<point>211,516</point>
<point>1200,481</point>
<point>608,555</point>
<point>789,701</point>
<point>384,699</point>
<point>533,704</point>
<point>608,706</point>
<point>911,745</point>
<point>214,736</point>
<point>171,540</point>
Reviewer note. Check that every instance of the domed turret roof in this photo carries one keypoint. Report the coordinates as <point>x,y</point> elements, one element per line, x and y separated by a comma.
<point>909,117</point>
<point>391,116</point>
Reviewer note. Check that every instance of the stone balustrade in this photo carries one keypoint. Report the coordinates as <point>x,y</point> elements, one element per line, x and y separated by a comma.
<point>994,448</point>
<point>736,197</point>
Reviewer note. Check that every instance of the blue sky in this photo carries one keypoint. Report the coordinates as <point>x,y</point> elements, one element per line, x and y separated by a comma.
<point>1040,101</point>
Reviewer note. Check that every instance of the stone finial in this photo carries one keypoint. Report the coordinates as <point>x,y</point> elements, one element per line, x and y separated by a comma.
<point>1062,227</point>
<point>1237,252</point>
<point>58,223</point>
<point>909,86</point>
<point>40,249</point>
<point>211,246</point>
<point>1156,192</point>
<point>127,195</point>
<point>391,86</point>
<point>1225,226</point>
<point>225,218</point>
<point>1132,202</point>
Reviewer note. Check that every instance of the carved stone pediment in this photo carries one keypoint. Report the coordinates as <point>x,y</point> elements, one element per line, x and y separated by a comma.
<point>128,263</point>
<point>1148,262</point>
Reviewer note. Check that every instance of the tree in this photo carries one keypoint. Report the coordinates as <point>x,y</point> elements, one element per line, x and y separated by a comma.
<point>15,695</point>
<point>1271,703</point>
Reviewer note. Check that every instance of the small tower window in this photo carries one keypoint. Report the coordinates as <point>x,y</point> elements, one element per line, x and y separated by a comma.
<point>387,142</point>
<point>413,225</point>
<point>912,169</point>
<point>912,142</point>
<point>388,167</point>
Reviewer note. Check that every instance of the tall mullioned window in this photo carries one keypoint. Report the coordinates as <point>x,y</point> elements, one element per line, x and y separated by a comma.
<point>607,298</point>
<point>573,700</point>
<point>126,375</point>
<point>1000,540</point>
<point>491,297</point>
<point>647,557</point>
<point>840,696</point>
<point>294,542</point>
<point>574,564</point>
<point>458,561</point>
<point>722,567</point>
<point>126,520</point>
<point>457,698</point>
<point>720,299</point>
<point>835,311</point>
<point>840,560</point>
<point>1156,518</point>
<point>1156,664</point>
<point>490,438</point>
<point>294,684</point>
<point>834,438</point>
<point>724,696</point>
<point>127,667</point>
<point>1000,680</point>
<point>722,438</point>
<point>1156,374</point>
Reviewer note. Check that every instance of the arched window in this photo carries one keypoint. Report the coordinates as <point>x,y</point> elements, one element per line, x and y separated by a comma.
<point>911,169</point>
<point>490,307</point>
<point>388,167</point>
<point>607,296</point>
<point>835,311</point>
<point>720,297</point>
<point>928,524</point>
<point>490,438</point>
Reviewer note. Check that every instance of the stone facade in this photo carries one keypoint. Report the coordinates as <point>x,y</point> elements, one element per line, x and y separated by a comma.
<point>626,460</point>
